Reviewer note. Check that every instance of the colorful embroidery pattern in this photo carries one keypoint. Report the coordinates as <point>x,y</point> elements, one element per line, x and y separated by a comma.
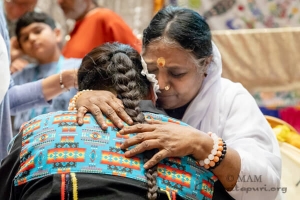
<point>58,146</point>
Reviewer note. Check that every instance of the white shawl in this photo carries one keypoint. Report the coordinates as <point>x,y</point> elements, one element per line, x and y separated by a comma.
<point>202,111</point>
<point>227,109</point>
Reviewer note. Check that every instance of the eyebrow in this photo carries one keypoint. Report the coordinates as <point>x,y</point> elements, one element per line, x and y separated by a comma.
<point>166,66</point>
<point>25,34</point>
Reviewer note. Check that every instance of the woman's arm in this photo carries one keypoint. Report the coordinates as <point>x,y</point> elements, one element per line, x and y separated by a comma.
<point>25,96</point>
<point>174,140</point>
<point>51,86</point>
<point>252,165</point>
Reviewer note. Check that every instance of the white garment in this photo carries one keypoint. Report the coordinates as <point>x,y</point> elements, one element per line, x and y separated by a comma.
<point>4,69</point>
<point>227,109</point>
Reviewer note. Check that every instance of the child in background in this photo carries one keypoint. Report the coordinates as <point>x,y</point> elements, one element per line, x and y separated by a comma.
<point>39,38</point>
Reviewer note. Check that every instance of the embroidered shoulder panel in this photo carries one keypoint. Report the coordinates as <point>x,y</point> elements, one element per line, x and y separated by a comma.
<point>54,144</point>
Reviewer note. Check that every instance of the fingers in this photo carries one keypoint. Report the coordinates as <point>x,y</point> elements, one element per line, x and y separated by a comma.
<point>111,114</point>
<point>148,145</point>
<point>103,102</point>
<point>156,159</point>
<point>138,128</point>
<point>116,113</point>
<point>18,65</point>
<point>144,146</point>
<point>139,138</point>
<point>80,114</point>
<point>119,101</point>
<point>96,112</point>
<point>153,121</point>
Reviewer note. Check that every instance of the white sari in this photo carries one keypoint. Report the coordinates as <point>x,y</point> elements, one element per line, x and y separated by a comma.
<point>227,109</point>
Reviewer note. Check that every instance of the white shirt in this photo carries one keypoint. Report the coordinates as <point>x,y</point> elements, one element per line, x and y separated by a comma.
<point>4,69</point>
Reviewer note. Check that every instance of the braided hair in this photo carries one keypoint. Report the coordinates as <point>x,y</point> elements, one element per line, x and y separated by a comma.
<point>117,68</point>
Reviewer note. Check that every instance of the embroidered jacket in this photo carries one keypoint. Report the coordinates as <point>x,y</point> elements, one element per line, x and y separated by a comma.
<point>54,144</point>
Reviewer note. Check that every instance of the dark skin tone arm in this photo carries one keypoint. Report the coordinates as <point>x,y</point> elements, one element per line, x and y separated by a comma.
<point>167,137</point>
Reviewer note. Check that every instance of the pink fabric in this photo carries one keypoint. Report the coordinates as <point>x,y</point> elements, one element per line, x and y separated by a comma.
<point>291,115</point>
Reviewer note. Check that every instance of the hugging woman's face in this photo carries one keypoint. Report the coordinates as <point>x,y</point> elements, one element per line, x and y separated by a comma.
<point>178,75</point>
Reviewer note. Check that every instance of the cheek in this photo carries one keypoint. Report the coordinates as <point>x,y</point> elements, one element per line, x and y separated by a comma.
<point>25,46</point>
<point>189,88</point>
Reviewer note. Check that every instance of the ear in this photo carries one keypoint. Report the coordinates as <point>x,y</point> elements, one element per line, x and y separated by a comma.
<point>152,95</point>
<point>207,63</point>
<point>58,35</point>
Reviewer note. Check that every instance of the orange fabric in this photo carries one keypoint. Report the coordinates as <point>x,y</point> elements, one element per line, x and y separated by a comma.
<point>63,187</point>
<point>99,26</point>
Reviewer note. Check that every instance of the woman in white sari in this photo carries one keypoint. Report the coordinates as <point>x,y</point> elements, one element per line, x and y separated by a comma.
<point>177,48</point>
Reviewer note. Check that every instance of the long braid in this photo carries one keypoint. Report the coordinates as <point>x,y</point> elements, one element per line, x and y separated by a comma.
<point>117,67</point>
<point>127,88</point>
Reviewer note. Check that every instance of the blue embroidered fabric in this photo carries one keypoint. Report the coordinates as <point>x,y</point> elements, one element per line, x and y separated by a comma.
<point>53,143</point>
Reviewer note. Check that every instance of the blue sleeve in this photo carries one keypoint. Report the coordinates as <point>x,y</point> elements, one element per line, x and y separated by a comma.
<point>26,96</point>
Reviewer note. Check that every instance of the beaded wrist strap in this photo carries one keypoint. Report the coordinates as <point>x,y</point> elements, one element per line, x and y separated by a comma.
<point>217,153</point>
<point>72,103</point>
<point>62,86</point>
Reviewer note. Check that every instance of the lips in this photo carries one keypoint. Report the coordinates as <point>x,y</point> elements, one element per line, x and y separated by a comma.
<point>36,46</point>
<point>164,96</point>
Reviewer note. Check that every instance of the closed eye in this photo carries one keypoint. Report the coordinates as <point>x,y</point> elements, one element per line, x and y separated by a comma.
<point>177,75</point>
<point>152,71</point>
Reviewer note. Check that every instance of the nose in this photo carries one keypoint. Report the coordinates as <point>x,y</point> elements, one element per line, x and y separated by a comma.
<point>163,80</point>
<point>32,37</point>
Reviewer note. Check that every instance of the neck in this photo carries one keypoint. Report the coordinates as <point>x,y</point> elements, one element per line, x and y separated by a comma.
<point>49,59</point>
<point>177,113</point>
<point>91,6</point>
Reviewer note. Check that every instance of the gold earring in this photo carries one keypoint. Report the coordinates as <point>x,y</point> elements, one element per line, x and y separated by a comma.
<point>167,87</point>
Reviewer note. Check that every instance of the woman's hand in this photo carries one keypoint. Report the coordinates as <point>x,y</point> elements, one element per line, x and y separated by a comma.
<point>15,50</point>
<point>98,102</point>
<point>18,65</point>
<point>172,140</point>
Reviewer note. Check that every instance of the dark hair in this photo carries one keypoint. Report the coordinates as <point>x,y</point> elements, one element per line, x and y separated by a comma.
<point>182,25</point>
<point>117,67</point>
<point>33,17</point>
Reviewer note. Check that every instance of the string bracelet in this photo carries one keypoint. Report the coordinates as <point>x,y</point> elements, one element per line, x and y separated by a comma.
<point>62,86</point>
<point>216,155</point>
<point>72,103</point>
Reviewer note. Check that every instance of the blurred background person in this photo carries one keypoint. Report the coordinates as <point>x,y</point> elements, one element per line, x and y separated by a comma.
<point>39,38</point>
<point>25,96</point>
<point>94,26</point>
<point>13,10</point>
